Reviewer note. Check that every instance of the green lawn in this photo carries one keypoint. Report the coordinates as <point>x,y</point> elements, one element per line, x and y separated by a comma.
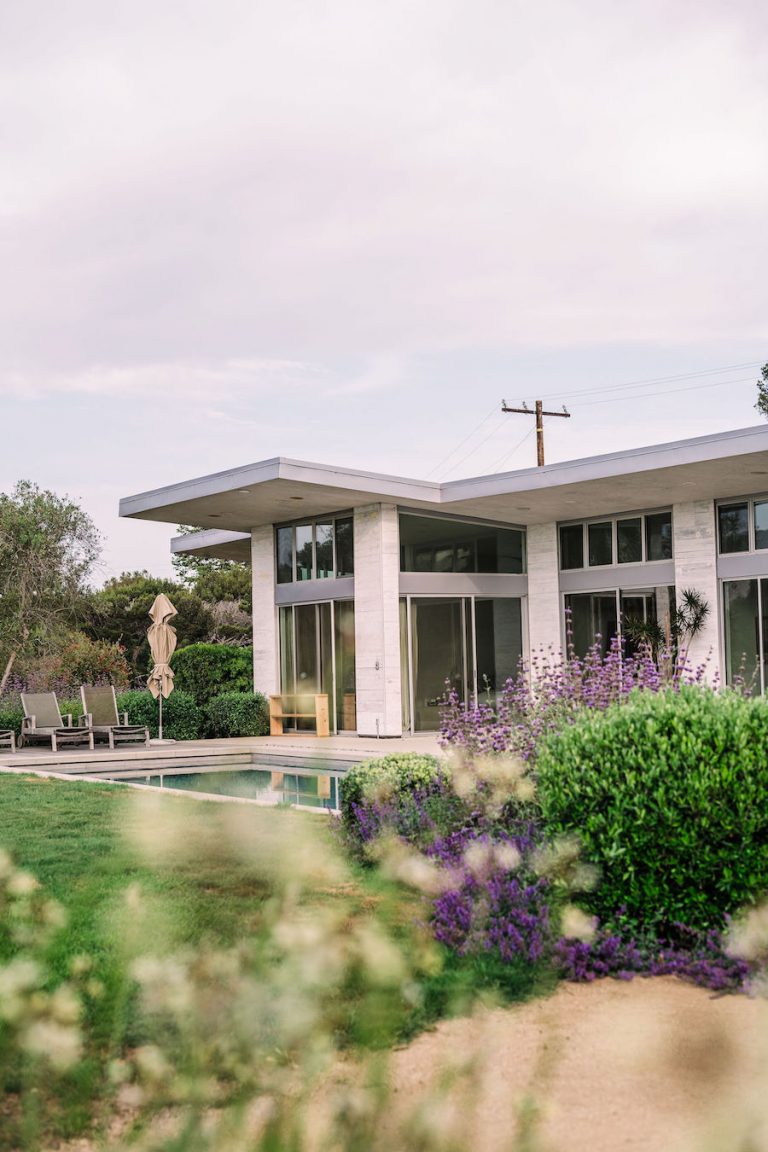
<point>80,841</point>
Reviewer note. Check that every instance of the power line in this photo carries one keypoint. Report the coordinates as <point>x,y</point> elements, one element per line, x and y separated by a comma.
<point>656,380</point>
<point>508,455</point>
<point>462,442</point>
<point>666,392</point>
<point>493,431</point>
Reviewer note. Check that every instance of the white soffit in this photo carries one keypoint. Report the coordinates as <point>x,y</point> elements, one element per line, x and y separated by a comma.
<point>724,465</point>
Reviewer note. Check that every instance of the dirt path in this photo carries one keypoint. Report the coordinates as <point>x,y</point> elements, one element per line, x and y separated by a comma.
<point>645,1065</point>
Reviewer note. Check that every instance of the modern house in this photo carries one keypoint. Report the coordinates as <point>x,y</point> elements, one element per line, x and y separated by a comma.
<point>377,589</point>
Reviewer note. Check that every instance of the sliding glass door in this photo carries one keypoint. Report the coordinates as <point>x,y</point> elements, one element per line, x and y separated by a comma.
<point>317,655</point>
<point>470,644</point>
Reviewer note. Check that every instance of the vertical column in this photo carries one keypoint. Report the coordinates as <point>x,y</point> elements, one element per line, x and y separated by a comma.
<point>266,676</point>
<point>544,625</point>
<point>377,622</point>
<point>695,552</point>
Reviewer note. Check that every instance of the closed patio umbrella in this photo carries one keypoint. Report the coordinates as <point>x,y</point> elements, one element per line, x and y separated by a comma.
<point>162,644</point>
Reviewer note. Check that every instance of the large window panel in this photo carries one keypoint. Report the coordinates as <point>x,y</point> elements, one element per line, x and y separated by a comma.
<point>284,555</point>
<point>742,631</point>
<point>761,523</point>
<point>658,536</point>
<point>572,546</point>
<point>629,540</point>
<point>600,538</point>
<point>431,544</point>
<point>323,551</point>
<point>304,566</point>
<point>733,527</point>
<point>593,616</point>
<point>345,555</point>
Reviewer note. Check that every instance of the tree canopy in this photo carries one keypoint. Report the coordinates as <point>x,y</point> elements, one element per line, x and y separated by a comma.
<point>762,392</point>
<point>48,548</point>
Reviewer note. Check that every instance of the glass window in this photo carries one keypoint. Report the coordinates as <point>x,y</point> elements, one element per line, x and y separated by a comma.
<point>572,546</point>
<point>284,555</point>
<point>761,524</point>
<point>742,632</point>
<point>345,556</point>
<point>323,551</point>
<point>658,536</point>
<point>733,527</point>
<point>629,540</point>
<point>303,551</point>
<point>591,617</point>
<point>432,544</point>
<point>600,544</point>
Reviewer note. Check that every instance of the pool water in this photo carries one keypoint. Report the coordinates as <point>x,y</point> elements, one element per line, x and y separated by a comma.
<point>306,790</point>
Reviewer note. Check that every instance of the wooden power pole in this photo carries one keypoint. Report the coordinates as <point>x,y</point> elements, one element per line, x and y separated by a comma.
<point>539,413</point>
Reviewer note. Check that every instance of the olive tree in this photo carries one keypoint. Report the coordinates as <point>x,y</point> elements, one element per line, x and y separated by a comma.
<point>48,547</point>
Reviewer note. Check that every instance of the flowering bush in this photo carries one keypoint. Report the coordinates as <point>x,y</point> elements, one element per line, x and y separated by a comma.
<point>79,660</point>
<point>551,692</point>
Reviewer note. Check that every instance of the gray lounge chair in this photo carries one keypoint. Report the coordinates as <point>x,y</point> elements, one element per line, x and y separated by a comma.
<point>8,739</point>
<point>104,721</point>
<point>43,723</point>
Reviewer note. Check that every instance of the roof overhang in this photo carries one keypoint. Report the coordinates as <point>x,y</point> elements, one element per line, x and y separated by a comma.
<point>214,544</point>
<point>725,465</point>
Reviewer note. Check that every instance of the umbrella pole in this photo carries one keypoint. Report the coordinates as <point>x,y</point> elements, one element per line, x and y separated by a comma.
<point>160,698</point>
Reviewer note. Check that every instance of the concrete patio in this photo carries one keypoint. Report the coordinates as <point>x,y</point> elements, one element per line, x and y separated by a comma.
<point>334,753</point>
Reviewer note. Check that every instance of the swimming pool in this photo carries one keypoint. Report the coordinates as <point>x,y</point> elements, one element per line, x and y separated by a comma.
<point>270,785</point>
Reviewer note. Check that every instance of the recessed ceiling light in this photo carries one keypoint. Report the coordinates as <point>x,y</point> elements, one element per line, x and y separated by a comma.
<point>759,472</point>
<point>295,497</point>
<point>214,516</point>
<point>244,491</point>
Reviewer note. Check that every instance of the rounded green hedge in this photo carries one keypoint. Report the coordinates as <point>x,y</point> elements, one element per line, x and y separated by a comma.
<point>402,771</point>
<point>238,714</point>
<point>668,794</point>
<point>208,670</point>
<point>182,719</point>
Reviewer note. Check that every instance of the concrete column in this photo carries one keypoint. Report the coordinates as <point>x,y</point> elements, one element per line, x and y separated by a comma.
<point>377,621</point>
<point>544,624</point>
<point>266,675</point>
<point>695,552</point>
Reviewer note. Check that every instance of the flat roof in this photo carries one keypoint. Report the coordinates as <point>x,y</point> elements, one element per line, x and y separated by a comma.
<point>722,465</point>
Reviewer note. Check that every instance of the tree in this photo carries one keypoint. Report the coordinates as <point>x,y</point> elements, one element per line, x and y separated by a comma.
<point>119,612</point>
<point>213,579</point>
<point>48,547</point>
<point>762,392</point>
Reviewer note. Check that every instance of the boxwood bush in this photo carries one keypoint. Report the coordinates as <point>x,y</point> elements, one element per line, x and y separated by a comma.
<point>182,719</point>
<point>238,714</point>
<point>208,670</point>
<point>11,716</point>
<point>402,771</point>
<point>667,793</point>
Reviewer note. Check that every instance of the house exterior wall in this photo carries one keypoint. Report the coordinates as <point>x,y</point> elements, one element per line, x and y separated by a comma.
<point>377,622</point>
<point>544,611</point>
<point>695,554</point>
<point>266,674</point>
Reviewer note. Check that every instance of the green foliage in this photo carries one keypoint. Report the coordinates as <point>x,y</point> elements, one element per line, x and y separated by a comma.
<point>399,773</point>
<point>208,670</point>
<point>238,714</point>
<point>48,547</point>
<point>762,392</point>
<point>119,612</point>
<point>182,719</point>
<point>11,716</point>
<point>225,584</point>
<point>78,660</point>
<point>666,793</point>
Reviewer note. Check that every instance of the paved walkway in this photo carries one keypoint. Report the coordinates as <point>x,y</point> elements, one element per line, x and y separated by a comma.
<point>337,752</point>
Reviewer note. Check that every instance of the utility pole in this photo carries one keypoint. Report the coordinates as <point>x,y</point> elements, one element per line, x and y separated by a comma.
<point>539,413</point>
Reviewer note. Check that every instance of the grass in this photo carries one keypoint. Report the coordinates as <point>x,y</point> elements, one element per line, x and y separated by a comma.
<point>79,840</point>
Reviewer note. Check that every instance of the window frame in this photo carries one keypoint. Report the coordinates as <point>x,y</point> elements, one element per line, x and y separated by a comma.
<point>614,519</point>
<point>313,522</point>
<point>750,501</point>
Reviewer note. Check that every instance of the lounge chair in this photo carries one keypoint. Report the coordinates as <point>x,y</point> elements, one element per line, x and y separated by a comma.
<point>104,721</point>
<point>8,739</point>
<point>43,723</point>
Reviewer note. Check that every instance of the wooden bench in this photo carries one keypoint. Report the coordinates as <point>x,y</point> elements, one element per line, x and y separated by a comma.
<point>8,739</point>
<point>299,706</point>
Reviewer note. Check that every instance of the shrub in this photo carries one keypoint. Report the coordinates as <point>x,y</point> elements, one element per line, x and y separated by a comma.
<point>181,716</point>
<point>11,716</point>
<point>238,714</point>
<point>666,793</point>
<point>399,773</point>
<point>208,670</point>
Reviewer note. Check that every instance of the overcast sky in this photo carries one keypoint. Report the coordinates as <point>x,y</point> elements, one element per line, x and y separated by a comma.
<point>343,231</point>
